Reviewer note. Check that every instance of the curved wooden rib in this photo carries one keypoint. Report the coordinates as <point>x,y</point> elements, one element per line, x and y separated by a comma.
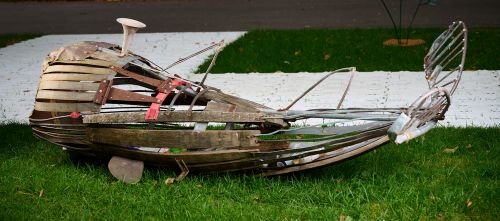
<point>174,138</point>
<point>66,107</point>
<point>198,157</point>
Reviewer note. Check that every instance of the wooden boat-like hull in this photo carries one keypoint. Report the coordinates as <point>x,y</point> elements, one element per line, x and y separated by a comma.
<point>94,98</point>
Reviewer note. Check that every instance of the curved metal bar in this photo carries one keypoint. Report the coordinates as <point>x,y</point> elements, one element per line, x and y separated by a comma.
<point>221,46</point>
<point>190,109</point>
<point>413,124</point>
<point>317,83</point>
<point>445,50</point>
<point>347,88</point>
<point>422,98</point>
<point>176,97</point>
<point>324,162</point>
<point>191,56</point>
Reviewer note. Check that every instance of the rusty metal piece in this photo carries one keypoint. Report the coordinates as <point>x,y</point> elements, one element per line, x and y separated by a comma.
<point>116,94</point>
<point>138,77</point>
<point>102,92</point>
<point>184,170</point>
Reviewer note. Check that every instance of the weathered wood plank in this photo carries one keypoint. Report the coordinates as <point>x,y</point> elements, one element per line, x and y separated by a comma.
<point>78,69</point>
<point>93,62</point>
<point>222,107</point>
<point>65,95</point>
<point>66,107</point>
<point>214,106</point>
<point>243,104</point>
<point>173,138</point>
<point>74,77</point>
<point>176,116</point>
<point>195,157</point>
<point>68,85</point>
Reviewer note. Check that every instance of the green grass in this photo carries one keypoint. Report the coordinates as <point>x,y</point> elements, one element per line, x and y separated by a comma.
<point>324,50</point>
<point>9,39</point>
<point>414,181</point>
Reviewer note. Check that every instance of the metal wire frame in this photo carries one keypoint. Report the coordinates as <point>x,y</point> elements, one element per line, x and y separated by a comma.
<point>351,69</point>
<point>448,48</point>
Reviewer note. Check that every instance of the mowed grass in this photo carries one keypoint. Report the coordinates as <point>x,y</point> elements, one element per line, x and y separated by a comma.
<point>420,180</point>
<point>325,50</point>
<point>9,39</point>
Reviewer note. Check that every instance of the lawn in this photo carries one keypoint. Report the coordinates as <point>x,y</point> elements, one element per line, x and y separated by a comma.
<point>425,179</point>
<point>325,50</point>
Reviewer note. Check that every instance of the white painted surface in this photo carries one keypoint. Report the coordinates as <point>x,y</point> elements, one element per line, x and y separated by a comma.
<point>476,101</point>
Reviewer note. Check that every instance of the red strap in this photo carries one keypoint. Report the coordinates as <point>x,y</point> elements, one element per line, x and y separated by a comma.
<point>154,109</point>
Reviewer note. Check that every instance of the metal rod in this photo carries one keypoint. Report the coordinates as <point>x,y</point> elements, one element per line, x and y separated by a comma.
<point>190,56</point>
<point>316,84</point>
<point>212,62</point>
<point>347,88</point>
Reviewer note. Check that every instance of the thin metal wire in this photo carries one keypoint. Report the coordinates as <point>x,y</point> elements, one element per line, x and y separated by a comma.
<point>353,71</point>
<point>221,46</point>
<point>316,84</point>
<point>190,56</point>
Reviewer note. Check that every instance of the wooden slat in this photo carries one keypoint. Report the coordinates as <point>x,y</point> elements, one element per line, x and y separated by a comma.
<point>169,158</point>
<point>216,106</point>
<point>68,85</point>
<point>78,69</point>
<point>66,107</point>
<point>176,116</point>
<point>93,62</point>
<point>74,77</point>
<point>65,95</point>
<point>140,78</point>
<point>241,104</point>
<point>173,138</point>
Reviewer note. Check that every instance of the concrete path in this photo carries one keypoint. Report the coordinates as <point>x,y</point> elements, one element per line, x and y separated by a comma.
<point>476,101</point>
<point>97,17</point>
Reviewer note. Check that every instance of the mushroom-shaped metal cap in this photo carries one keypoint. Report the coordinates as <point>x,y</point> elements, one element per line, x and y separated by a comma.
<point>131,22</point>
